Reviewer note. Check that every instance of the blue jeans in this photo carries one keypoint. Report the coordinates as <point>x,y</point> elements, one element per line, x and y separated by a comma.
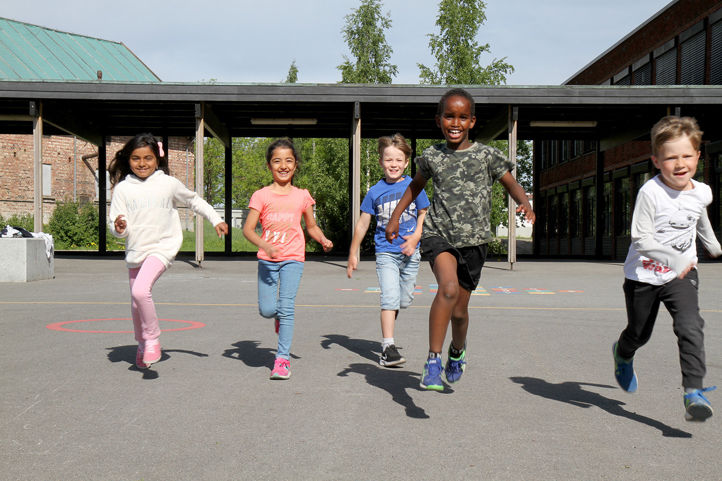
<point>277,287</point>
<point>397,278</point>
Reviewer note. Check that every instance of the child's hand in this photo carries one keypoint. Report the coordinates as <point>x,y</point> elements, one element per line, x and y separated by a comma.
<point>528,212</point>
<point>120,224</point>
<point>326,244</point>
<point>686,271</point>
<point>409,246</point>
<point>271,251</point>
<point>221,229</point>
<point>392,229</point>
<point>351,265</point>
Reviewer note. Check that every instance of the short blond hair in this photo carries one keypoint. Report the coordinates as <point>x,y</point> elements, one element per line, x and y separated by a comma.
<point>397,140</point>
<point>672,127</point>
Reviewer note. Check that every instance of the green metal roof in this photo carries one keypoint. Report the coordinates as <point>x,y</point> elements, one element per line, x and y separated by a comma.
<point>30,52</point>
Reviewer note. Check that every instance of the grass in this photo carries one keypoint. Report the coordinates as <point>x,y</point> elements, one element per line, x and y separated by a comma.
<point>213,243</point>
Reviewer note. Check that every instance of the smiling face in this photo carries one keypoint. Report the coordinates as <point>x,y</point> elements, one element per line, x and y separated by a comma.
<point>394,162</point>
<point>143,162</point>
<point>455,122</point>
<point>677,160</point>
<point>283,165</point>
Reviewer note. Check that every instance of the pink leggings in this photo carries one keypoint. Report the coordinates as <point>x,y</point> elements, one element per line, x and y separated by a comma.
<point>145,320</point>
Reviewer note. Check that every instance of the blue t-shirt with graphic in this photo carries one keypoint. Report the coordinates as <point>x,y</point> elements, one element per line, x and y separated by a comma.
<point>381,200</point>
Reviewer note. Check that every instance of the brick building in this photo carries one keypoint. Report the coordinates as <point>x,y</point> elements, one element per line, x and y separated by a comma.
<point>70,163</point>
<point>585,188</point>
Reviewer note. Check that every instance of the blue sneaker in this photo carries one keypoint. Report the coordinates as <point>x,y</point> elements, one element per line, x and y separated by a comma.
<point>697,405</point>
<point>431,377</point>
<point>624,371</point>
<point>455,366</point>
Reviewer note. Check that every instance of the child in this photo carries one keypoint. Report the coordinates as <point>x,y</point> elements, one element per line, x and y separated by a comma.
<point>282,246</point>
<point>662,259</point>
<point>457,228</point>
<point>143,210</point>
<point>396,263</point>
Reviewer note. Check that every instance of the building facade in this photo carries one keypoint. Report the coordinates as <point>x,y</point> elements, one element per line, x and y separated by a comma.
<point>585,189</point>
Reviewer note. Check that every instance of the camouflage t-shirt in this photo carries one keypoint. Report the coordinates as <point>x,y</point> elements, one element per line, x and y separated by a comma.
<point>461,207</point>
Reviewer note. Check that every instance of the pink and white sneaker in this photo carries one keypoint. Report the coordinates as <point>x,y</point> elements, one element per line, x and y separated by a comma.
<point>139,358</point>
<point>152,353</point>
<point>281,369</point>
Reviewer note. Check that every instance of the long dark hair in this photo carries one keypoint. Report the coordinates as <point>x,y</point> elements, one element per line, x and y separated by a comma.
<point>120,165</point>
<point>283,143</point>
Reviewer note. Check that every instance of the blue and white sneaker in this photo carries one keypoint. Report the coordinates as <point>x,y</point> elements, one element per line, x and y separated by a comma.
<point>624,371</point>
<point>696,405</point>
<point>431,377</point>
<point>455,366</point>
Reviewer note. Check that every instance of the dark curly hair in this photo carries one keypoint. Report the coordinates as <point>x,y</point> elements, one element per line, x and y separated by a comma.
<point>120,165</point>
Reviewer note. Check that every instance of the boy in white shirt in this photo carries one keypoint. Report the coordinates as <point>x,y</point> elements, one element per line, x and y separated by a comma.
<point>670,210</point>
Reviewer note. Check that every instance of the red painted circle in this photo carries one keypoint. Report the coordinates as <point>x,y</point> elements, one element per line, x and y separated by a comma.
<point>60,326</point>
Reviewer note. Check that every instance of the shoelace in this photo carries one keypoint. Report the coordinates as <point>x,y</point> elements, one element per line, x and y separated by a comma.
<point>699,392</point>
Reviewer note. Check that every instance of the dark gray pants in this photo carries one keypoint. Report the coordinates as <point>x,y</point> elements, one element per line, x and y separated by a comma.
<point>680,298</point>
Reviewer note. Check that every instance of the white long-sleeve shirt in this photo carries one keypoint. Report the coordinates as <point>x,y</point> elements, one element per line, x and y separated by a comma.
<point>665,225</point>
<point>152,222</point>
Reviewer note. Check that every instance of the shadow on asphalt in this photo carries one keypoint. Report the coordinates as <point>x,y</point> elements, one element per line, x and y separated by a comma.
<point>572,393</point>
<point>127,354</point>
<point>395,381</point>
<point>253,356</point>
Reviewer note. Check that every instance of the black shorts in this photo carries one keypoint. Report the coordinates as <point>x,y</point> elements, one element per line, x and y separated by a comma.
<point>469,260</point>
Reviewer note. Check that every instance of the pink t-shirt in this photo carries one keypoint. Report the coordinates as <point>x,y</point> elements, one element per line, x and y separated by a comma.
<point>280,216</point>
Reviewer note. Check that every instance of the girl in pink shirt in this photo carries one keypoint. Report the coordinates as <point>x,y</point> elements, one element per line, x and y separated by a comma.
<point>281,245</point>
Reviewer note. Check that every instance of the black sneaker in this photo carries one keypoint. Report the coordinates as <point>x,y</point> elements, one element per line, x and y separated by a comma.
<point>391,357</point>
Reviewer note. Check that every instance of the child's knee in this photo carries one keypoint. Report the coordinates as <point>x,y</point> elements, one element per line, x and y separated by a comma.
<point>449,291</point>
<point>267,312</point>
<point>140,294</point>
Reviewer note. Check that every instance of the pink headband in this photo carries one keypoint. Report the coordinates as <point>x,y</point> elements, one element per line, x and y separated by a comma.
<point>160,149</point>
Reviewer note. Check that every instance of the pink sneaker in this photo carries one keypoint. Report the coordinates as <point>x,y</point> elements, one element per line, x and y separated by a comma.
<point>277,324</point>
<point>281,369</point>
<point>151,354</point>
<point>139,358</point>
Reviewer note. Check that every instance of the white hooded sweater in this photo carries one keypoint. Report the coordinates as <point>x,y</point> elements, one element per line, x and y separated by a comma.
<point>153,225</point>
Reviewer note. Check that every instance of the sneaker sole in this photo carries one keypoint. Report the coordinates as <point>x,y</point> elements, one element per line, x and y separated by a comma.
<point>698,413</point>
<point>392,363</point>
<point>278,377</point>
<point>432,387</point>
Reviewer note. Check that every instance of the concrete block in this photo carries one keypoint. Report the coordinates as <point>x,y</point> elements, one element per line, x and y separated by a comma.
<point>24,260</point>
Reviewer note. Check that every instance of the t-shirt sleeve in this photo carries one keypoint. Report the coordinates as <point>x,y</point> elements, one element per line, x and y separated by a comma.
<point>367,205</point>
<point>423,167</point>
<point>422,200</point>
<point>307,199</point>
<point>499,164</point>
<point>256,201</point>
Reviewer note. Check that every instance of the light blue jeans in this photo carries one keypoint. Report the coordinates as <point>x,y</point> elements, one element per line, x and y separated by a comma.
<point>397,278</point>
<point>277,287</point>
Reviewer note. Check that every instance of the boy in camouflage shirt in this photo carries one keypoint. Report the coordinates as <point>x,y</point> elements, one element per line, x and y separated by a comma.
<point>457,227</point>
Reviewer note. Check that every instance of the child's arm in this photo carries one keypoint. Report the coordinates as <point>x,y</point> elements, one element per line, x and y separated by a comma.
<point>117,216</point>
<point>249,231</point>
<point>412,191</point>
<point>358,234</point>
<point>200,207</point>
<point>642,234</point>
<point>706,235</point>
<point>411,241</point>
<point>517,193</point>
<point>315,231</point>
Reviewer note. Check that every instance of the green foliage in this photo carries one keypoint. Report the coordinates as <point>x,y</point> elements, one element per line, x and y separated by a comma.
<point>457,53</point>
<point>213,243</point>
<point>75,226</point>
<point>26,221</point>
<point>365,37</point>
<point>292,76</point>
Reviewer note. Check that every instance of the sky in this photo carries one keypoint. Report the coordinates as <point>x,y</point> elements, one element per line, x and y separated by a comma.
<point>252,41</point>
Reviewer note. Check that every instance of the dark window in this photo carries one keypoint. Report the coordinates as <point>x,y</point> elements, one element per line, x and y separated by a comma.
<point>553,228</point>
<point>643,75</point>
<point>622,207</point>
<point>716,55</point>
<point>564,215</point>
<point>607,209</point>
<point>623,81</point>
<point>692,55</point>
<point>590,211</point>
<point>575,214</point>
<point>667,68</point>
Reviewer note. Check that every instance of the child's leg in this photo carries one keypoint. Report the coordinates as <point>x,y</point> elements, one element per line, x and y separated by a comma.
<point>387,271</point>
<point>407,278</point>
<point>289,280</point>
<point>445,301</point>
<point>142,279</point>
<point>680,297</point>
<point>642,302</point>
<point>460,319</point>
<point>268,273</point>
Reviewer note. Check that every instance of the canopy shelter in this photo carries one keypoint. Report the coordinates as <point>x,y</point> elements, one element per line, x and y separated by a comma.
<point>95,110</point>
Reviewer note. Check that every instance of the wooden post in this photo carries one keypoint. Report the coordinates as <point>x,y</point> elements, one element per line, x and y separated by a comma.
<point>511,244</point>
<point>355,172</point>
<point>36,112</point>
<point>200,129</point>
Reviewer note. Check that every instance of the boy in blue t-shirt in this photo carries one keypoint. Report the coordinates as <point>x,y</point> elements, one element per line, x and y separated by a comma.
<point>397,263</point>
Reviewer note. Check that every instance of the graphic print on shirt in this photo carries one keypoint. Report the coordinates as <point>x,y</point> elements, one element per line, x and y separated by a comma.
<point>682,225</point>
<point>278,227</point>
<point>386,206</point>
